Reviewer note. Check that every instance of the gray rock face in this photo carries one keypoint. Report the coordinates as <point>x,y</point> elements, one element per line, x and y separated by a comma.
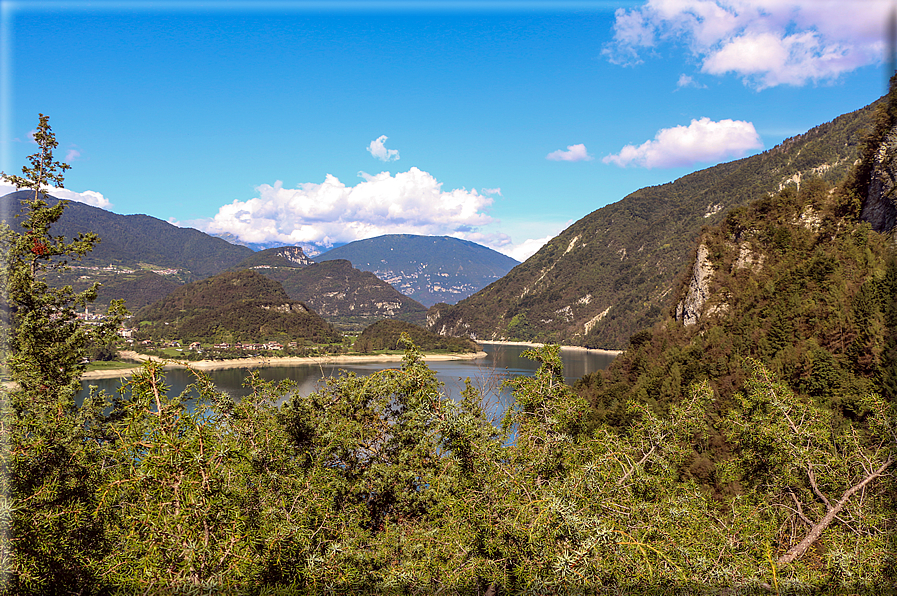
<point>880,206</point>
<point>688,311</point>
<point>294,254</point>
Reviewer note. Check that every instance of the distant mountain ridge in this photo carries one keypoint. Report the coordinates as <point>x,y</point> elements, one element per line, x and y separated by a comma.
<point>138,241</point>
<point>142,259</point>
<point>430,269</point>
<point>310,248</point>
<point>613,272</point>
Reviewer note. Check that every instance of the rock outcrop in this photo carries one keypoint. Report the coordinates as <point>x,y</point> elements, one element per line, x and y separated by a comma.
<point>688,311</point>
<point>880,204</point>
<point>294,254</point>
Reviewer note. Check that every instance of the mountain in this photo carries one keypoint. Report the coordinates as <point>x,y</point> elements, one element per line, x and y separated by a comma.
<point>804,281</point>
<point>139,242</point>
<point>138,289</point>
<point>430,269</point>
<point>234,306</point>
<point>345,295</point>
<point>614,271</point>
<point>283,256</point>
<point>139,258</point>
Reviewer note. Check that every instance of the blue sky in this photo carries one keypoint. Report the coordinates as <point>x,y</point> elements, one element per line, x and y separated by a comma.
<point>317,123</point>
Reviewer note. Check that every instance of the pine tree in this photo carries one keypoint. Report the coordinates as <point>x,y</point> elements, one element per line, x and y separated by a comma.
<point>47,345</point>
<point>51,472</point>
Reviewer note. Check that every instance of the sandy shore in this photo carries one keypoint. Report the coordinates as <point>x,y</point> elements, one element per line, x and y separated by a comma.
<point>256,362</point>
<point>538,345</point>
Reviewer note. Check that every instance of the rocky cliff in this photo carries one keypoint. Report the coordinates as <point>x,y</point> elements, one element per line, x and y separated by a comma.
<point>880,204</point>
<point>874,180</point>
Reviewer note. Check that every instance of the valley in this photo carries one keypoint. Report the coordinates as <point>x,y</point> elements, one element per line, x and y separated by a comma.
<point>754,305</point>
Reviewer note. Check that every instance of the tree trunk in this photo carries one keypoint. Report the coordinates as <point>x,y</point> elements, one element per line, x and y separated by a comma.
<point>799,549</point>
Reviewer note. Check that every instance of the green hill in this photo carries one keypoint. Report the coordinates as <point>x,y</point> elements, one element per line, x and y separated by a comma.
<point>429,269</point>
<point>384,335</point>
<point>345,295</point>
<point>234,306</point>
<point>614,271</point>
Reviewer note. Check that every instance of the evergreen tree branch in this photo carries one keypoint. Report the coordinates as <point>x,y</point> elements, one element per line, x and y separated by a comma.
<point>799,549</point>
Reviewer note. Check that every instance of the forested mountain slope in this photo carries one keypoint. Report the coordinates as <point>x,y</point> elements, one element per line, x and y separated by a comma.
<point>137,289</point>
<point>345,295</point>
<point>613,272</point>
<point>429,269</point>
<point>801,281</point>
<point>234,306</point>
<point>139,241</point>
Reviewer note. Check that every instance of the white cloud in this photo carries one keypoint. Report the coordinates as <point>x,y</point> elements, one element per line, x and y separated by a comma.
<point>88,197</point>
<point>491,191</point>
<point>573,153</point>
<point>687,81</point>
<point>379,150</point>
<point>701,141</point>
<point>765,42</point>
<point>525,249</point>
<point>520,251</point>
<point>411,202</point>
<point>71,155</point>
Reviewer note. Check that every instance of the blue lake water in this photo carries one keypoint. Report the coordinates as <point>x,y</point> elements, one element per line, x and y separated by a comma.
<point>502,361</point>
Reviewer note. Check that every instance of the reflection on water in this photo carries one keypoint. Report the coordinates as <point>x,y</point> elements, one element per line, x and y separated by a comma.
<point>501,362</point>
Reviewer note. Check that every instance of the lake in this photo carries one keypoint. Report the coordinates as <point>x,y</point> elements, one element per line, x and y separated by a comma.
<point>502,361</point>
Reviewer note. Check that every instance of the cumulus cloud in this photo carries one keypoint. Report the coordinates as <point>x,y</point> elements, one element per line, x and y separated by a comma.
<point>573,153</point>
<point>378,149</point>
<point>526,249</point>
<point>88,197</point>
<point>411,202</point>
<point>701,141</point>
<point>503,243</point>
<point>765,42</point>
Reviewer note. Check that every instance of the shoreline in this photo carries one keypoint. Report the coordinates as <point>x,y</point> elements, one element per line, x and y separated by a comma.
<point>531,344</point>
<point>113,373</point>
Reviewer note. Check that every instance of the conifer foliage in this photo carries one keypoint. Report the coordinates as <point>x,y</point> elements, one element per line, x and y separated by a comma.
<point>50,471</point>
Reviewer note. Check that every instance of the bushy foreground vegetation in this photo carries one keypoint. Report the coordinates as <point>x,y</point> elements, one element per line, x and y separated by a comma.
<point>380,482</point>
